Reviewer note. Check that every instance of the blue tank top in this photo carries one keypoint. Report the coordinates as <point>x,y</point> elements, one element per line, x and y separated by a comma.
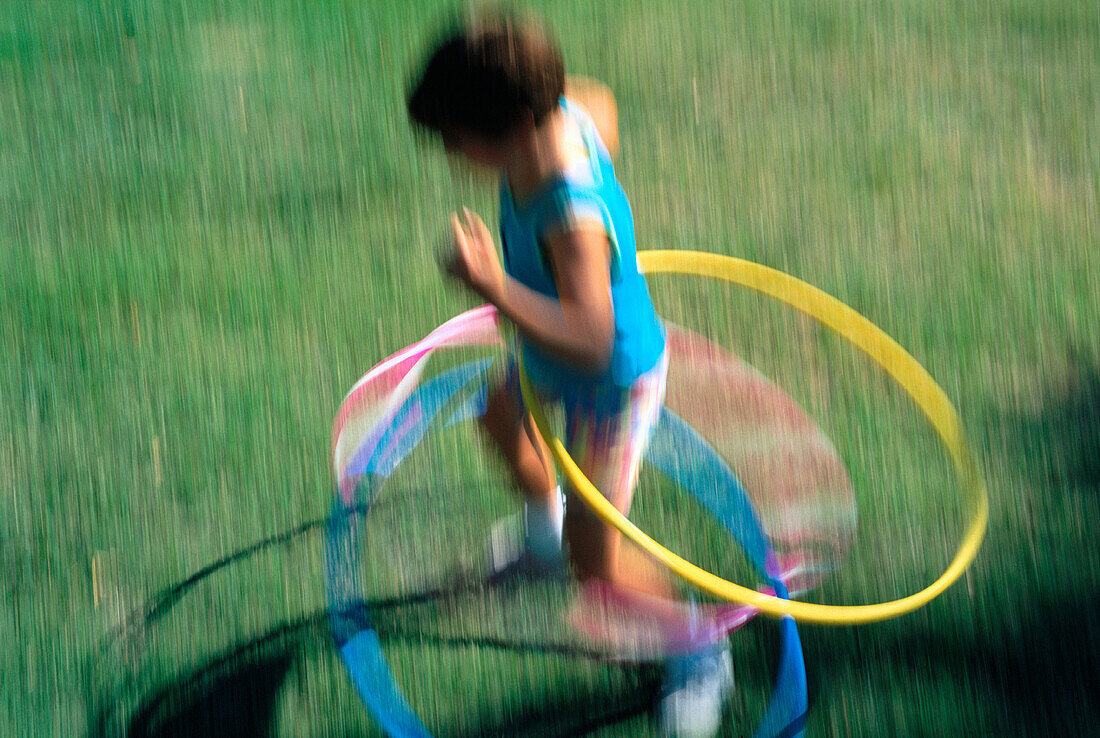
<point>588,191</point>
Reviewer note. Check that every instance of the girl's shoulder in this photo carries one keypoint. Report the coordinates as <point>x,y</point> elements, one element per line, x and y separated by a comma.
<point>599,107</point>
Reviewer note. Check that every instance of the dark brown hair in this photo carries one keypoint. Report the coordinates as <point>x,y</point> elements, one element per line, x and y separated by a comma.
<point>484,77</point>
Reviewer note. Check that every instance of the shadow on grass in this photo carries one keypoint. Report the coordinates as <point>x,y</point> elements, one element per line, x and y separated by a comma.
<point>230,699</point>
<point>237,693</point>
<point>1031,673</point>
<point>1061,441</point>
<point>1026,653</point>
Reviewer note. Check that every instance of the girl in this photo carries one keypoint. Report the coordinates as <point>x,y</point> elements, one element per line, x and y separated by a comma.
<point>496,93</point>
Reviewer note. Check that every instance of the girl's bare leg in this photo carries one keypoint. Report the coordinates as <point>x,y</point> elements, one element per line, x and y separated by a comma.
<point>609,450</point>
<point>511,431</point>
<point>597,550</point>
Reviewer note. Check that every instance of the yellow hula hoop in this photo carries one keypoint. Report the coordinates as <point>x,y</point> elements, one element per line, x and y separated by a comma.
<point>870,339</point>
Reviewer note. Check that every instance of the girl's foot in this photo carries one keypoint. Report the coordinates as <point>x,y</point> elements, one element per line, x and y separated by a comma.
<point>695,690</point>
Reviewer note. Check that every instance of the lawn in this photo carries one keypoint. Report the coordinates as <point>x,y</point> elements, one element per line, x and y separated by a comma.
<point>214,217</point>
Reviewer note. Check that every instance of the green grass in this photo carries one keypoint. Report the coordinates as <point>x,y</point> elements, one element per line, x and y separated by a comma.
<point>214,218</point>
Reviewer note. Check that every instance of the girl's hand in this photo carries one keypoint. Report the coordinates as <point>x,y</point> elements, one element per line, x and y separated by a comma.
<point>474,260</point>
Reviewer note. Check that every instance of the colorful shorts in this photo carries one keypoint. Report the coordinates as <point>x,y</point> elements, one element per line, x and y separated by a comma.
<point>606,433</point>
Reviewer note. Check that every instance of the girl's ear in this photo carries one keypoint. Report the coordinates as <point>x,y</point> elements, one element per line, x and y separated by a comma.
<point>524,130</point>
<point>526,125</point>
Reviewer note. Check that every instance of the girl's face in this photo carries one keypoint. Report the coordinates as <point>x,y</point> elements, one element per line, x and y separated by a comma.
<point>477,149</point>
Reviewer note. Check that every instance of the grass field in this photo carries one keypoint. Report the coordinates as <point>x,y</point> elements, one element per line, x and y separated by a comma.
<point>214,217</point>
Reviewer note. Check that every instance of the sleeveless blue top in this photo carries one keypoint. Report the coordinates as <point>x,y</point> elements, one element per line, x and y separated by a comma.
<point>588,191</point>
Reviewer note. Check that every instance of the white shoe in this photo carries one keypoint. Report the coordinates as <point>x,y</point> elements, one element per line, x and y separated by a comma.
<point>511,558</point>
<point>695,691</point>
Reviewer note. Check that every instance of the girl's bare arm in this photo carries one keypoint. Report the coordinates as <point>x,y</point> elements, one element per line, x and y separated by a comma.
<point>579,327</point>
